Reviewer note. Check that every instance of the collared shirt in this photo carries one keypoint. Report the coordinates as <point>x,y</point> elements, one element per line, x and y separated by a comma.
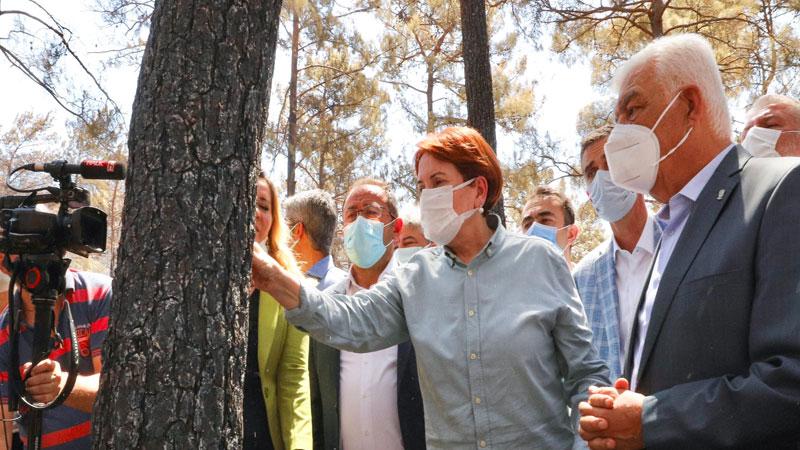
<point>368,393</point>
<point>326,273</point>
<point>502,343</point>
<point>672,218</point>
<point>89,295</point>
<point>631,274</point>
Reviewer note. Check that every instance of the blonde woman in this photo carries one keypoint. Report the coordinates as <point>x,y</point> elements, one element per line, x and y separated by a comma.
<point>277,400</point>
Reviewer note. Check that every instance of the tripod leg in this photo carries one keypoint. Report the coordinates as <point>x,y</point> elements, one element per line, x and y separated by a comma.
<point>41,350</point>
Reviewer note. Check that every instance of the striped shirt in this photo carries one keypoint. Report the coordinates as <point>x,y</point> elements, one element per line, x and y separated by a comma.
<point>89,296</point>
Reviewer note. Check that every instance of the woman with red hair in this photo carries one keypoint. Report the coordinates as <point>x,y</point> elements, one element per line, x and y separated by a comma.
<point>503,348</point>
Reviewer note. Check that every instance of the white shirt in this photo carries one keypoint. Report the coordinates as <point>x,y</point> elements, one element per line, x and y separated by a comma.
<point>631,274</point>
<point>672,218</point>
<point>368,394</point>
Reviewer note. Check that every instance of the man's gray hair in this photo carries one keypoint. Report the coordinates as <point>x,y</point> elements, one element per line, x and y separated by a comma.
<point>770,99</point>
<point>316,210</point>
<point>680,60</point>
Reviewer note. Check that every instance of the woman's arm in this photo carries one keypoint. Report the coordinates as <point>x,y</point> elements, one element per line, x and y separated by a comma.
<point>580,365</point>
<point>368,321</point>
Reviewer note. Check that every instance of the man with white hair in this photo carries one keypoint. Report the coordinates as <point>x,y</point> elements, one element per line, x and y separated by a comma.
<point>773,127</point>
<point>411,238</point>
<point>715,354</point>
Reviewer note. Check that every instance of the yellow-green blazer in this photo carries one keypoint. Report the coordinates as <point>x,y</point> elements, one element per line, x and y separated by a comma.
<point>283,366</point>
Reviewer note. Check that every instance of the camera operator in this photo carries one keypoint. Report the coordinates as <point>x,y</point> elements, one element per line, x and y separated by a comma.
<point>67,426</point>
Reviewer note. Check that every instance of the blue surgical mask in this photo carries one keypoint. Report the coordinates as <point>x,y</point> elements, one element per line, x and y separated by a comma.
<point>610,201</point>
<point>402,255</point>
<point>545,232</point>
<point>363,242</point>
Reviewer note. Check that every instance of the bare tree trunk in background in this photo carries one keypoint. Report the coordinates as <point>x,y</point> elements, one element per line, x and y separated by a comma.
<point>114,240</point>
<point>291,179</point>
<point>429,85</point>
<point>321,167</point>
<point>478,76</point>
<point>175,353</point>
<point>657,19</point>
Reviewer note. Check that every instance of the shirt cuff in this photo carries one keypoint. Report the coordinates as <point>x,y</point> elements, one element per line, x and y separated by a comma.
<point>650,421</point>
<point>304,312</point>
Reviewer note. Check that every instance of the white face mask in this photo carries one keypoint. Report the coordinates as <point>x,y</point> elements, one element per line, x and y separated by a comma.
<point>402,255</point>
<point>760,142</point>
<point>440,222</point>
<point>633,154</point>
<point>610,201</point>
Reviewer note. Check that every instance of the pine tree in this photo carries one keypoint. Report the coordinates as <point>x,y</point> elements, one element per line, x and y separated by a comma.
<point>174,357</point>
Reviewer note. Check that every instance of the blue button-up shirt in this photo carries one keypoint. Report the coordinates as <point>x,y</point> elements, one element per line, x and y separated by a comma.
<point>326,273</point>
<point>502,343</point>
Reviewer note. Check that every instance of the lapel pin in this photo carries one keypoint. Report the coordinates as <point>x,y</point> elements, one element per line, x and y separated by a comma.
<point>720,194</point>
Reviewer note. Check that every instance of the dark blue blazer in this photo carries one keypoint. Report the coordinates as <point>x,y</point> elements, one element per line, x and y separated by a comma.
<point>721,359</point>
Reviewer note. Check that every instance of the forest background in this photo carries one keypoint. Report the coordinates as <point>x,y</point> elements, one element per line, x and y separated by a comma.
<point>357,83</point>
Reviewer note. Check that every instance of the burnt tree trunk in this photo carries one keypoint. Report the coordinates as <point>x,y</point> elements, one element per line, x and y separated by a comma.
<point>657,18</point>
<point>478,76</point>
<point>175,353</point>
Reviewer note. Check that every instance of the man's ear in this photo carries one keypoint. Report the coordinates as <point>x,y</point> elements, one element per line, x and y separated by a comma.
<point>572,234</point>
<point>398,225</point>
<point>695,101</point>
<point>299,230</point>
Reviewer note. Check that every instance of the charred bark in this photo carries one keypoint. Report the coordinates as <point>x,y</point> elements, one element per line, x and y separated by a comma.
<point>175,353</point>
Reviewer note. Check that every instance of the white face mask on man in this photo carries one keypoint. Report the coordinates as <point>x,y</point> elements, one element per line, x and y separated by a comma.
<point>634,153</point>
<point>761,142</point>
<point>440,222</point>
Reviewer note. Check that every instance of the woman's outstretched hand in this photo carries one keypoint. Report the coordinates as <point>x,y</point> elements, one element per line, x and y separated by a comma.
<point>269,276</point>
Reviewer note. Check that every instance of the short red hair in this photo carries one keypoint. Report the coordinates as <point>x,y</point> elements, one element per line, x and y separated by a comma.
<point>466,149</point>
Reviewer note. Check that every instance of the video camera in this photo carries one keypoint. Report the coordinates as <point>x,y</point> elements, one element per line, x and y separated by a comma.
<point>81,231</point>
<point>40,240</point>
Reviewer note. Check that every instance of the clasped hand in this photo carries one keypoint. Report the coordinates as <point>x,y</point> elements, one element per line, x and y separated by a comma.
<point>611,418</point>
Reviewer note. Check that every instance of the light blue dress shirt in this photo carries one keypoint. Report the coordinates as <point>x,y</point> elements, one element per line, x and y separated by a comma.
<point>671,218</point>
<point>326,273</point>
<point>502,343</point>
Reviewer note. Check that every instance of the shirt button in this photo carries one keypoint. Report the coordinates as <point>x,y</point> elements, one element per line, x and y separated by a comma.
<point>471,312</point>
<point>471,272</point>
<point>482,444</point>
<point>473,356</point>
<point>477,400</point>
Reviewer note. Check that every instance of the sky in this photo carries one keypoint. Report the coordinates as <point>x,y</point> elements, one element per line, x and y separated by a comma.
<point>561,90</point>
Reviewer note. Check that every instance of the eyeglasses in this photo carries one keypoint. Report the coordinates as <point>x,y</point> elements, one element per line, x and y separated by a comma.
<point>372,211</point>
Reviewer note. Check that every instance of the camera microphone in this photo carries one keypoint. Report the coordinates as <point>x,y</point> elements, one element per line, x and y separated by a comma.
<point>88,169</point>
